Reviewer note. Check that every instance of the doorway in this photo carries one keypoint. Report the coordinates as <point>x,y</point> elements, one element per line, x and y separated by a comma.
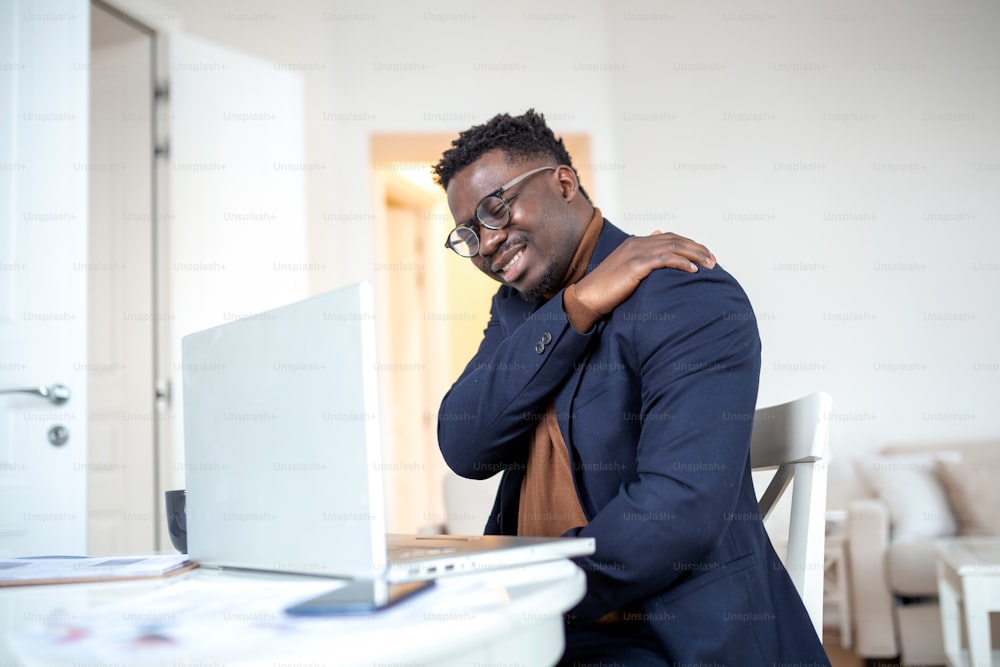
<point>123,511</point>
<point>415,290</point>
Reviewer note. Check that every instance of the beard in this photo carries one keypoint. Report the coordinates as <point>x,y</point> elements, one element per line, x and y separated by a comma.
<point>549,284</point>
<point>559,258</point>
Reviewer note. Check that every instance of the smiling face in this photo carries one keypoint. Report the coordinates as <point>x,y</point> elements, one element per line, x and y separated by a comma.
<point>533,252</point>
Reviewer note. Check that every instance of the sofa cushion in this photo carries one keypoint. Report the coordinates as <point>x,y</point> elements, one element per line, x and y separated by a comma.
<point>909,485</point>
<point>912,568</point>
<point>973,489</point>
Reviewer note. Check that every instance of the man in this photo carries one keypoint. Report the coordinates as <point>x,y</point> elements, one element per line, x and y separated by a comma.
<point>617,400</point>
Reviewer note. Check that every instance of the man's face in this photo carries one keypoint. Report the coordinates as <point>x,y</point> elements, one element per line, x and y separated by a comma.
<point>533,251</point>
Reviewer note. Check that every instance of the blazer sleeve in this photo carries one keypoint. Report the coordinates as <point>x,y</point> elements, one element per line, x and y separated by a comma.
<point>500,395</point>
<point>698,354</point>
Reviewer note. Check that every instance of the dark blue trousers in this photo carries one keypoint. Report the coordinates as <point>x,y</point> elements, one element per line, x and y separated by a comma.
<point>612,645</point>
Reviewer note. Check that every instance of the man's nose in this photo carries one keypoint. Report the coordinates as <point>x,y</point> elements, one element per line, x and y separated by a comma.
<point>490,240</point>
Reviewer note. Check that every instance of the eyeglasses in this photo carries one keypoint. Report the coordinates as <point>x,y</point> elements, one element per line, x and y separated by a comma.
<point>492,212</point>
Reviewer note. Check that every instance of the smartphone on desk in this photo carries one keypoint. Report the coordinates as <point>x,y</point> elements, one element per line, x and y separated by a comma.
<point>357,597</point>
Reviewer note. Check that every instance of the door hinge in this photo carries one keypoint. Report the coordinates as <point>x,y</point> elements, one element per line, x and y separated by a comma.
<point>161,92</point>
<point>164,392</point>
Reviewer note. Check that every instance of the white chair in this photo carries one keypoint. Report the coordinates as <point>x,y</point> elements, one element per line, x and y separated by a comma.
<point>792,438</point>
<point>468,503</point>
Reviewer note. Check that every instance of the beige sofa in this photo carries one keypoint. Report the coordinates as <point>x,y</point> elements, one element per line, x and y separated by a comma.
<point>919,494</point>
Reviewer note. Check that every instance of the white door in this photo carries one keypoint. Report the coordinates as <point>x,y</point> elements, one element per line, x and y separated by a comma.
<point>237,232</point>
<point>43,274</point>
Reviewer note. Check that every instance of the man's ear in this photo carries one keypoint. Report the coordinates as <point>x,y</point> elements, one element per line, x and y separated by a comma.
<point>569,185</point>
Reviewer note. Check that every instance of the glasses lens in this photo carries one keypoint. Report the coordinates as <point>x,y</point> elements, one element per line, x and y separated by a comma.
<point>492,212</point>
<point>464,241</point>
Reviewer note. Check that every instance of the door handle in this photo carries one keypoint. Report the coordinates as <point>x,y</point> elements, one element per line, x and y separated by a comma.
<point>57,394</point>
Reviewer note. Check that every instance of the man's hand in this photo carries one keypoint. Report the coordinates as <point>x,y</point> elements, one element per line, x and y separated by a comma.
<point>614,279</point>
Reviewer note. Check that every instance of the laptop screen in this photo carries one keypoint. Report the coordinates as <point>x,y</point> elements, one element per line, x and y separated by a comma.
<point>282,453</point>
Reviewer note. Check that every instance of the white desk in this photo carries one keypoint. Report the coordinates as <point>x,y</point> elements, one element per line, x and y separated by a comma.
<point>969,590</point>
<point>210,616</point>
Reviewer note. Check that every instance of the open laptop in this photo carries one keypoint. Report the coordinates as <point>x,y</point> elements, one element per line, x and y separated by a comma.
<point>283,458</point>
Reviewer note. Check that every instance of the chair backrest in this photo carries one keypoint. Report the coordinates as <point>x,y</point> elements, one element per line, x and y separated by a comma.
<point>792,438</point>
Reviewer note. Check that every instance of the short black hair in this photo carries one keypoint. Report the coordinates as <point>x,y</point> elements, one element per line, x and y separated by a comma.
<point>523,137</point>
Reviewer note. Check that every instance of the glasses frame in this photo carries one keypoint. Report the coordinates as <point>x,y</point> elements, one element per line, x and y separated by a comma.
<point>471,223</point>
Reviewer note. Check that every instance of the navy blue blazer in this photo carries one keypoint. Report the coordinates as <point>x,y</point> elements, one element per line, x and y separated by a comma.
<point>656,407</point>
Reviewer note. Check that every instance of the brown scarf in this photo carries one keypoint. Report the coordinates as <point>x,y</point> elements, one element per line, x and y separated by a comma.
<point>549,505</point>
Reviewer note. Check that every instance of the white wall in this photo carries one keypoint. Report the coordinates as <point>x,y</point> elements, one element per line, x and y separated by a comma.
<point>393,66</point>
<point>841,159</point>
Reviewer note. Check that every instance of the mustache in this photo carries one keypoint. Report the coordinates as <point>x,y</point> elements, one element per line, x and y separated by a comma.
<point>509,242</point>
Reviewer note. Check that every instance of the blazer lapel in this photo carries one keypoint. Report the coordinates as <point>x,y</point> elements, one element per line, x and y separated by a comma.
<point>610,238</point>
